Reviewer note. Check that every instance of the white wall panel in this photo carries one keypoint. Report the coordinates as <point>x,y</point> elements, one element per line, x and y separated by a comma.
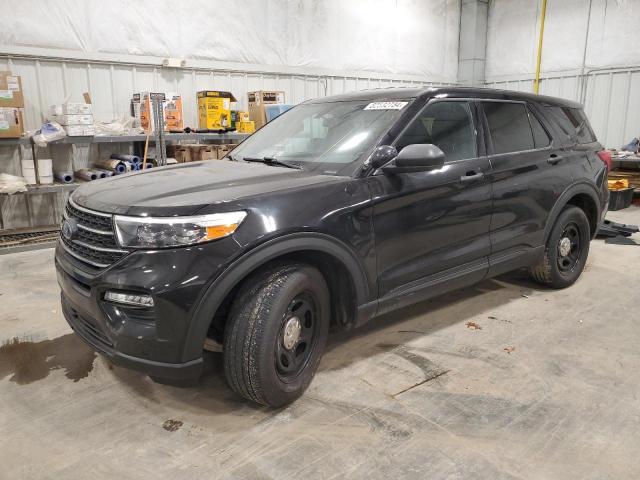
<point>512,35</point>
<point>48,81</point>
<point>411,37</point>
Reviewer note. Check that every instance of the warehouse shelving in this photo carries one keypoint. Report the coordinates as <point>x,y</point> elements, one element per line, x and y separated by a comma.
<point>28,149</point>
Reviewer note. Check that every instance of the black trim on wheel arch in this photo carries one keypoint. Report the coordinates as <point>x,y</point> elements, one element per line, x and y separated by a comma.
<point>218,290</point>
<point>563,200</point>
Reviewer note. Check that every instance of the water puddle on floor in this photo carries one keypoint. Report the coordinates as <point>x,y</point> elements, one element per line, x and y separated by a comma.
<point>25,361</point>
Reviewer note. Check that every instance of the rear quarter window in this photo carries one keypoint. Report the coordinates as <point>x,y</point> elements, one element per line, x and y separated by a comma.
<point>572,121</point>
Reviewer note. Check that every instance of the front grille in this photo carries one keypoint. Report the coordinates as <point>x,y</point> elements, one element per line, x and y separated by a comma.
<point>95,243</point>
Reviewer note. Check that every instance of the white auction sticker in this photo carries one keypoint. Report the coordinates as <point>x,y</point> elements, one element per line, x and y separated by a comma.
<point>6,94</point>
<point>386,106</point>
<point>12,83</point>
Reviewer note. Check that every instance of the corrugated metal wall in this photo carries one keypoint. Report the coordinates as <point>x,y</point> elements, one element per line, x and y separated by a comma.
<point>111,85</point>
<point>611,98</point>
<point>49,81</point>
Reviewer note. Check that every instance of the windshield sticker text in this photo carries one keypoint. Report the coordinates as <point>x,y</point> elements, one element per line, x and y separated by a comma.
<point>385,106</point>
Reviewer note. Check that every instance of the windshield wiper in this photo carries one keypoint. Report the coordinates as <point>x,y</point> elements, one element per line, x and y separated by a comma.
<point>273,161</point>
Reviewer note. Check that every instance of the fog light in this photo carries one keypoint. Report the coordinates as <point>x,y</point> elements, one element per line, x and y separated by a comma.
<point>129,299</point>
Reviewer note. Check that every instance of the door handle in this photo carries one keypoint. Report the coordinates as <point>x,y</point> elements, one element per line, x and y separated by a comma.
<point>553,159</point>
<point>471,177</point>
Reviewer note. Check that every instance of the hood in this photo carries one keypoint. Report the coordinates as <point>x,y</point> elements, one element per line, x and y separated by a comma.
<point>184,189</point>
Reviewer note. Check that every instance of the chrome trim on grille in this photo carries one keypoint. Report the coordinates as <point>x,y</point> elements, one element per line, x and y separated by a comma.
<point>98,249</point>
<point>97,244</point>
<point>86,210</point>
<point>94,230</point>
<point>80,257</point>
<point>88,229</point>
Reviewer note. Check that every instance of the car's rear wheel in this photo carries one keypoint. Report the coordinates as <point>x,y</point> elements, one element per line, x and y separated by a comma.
<point>276,333</point>
<point>566,250</point>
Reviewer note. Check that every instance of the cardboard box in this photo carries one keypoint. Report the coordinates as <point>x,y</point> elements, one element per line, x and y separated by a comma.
<point>245,127</point>
<point>208,152</point>
<point>222,150</point>
<point>142,111</point>
<point>172,109</point>
<point>214,109</point>
<point>11,124</point>
<point>73,119</point>
<point>11,90</point>
<point>257,101</point>
<point>71,109</point>
<point>79,130</point>
<point>274,111</point>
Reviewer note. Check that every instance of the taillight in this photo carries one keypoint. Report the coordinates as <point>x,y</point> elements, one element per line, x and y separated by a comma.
<point>605,156</point>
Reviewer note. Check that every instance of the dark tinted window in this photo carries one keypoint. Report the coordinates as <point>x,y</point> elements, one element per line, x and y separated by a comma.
<point>572,121</point>
<point>509,127</point>
<point>540,137</point>
<point>448,125</point>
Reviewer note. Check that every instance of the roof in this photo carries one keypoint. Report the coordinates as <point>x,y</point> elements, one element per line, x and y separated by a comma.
<point>381,94</point>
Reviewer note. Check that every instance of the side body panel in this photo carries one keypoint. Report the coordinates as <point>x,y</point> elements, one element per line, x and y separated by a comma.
<point>526,185</point>
<point>431,228</point>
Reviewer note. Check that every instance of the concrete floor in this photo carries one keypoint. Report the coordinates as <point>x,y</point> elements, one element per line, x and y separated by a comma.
<point>505,380</point>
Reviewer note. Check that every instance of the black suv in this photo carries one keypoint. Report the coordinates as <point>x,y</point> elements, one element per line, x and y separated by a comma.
<point>339,210</point>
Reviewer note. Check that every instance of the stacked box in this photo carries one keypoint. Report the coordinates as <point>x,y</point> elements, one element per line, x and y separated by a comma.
<point>11,106</point>
<point>11,124</point>
<point>257,102</point>
<point>245,127</point>
<point>142,111</point>
<point>214,110</point>
<point>75,118</point>
<point>71,108</point>
<point>195,152</point>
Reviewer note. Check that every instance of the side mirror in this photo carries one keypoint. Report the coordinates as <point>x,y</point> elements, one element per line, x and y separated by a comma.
<point>418,157</point>
<point>382,155</point>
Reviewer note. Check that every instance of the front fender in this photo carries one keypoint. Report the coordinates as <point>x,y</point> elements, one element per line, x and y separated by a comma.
<point>219,288</point>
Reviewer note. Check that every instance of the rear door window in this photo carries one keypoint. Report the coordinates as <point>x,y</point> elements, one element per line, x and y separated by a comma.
<point>509,127</point>
<point>446,124</point>
<point>540,137</point>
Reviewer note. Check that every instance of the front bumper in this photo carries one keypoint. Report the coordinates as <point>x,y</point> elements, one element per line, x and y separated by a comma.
<point>88,331</point>
<point>154,339</point>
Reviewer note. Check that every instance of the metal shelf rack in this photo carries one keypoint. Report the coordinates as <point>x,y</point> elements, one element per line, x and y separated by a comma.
<point>52,204</point>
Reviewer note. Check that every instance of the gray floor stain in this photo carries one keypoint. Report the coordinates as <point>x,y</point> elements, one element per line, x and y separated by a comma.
<point>172,425</point>
<point>26,361</point>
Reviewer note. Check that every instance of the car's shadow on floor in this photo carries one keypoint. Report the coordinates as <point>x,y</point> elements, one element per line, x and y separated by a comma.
<point>212,394</point>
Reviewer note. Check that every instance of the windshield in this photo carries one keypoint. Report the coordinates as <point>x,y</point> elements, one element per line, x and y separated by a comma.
<point>328,138</point>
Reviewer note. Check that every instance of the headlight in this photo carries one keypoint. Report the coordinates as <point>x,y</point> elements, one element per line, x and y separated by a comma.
<point>162,232</point>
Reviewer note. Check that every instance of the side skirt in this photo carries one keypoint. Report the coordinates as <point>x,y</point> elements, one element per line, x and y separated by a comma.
<point>448,280</point>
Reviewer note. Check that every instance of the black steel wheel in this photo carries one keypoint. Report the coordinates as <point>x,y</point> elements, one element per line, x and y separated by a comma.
<point>569,248</point>
<point>276,332</point>
<point>566,250</point>
<point>297,337</point>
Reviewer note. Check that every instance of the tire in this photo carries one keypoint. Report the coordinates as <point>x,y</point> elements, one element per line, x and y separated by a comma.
<point>263,362</point>
<point>557,268</point>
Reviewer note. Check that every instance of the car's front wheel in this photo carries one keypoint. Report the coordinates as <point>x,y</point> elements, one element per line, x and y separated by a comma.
<point>276,333</point>
<point>566,250</point>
